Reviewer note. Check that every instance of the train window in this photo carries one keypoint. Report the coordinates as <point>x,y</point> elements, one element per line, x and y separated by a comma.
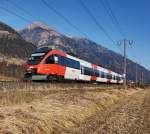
<point>82,70</point>
<point>109,76</point>
<point>96,73</point>
<point>99,73</point>
<point>35,59</point>
<point>92,72</point>
<point>77,65</point>
<point>50,60</point>
<point>61,61</point>
<point>102,75</point>
<point>121,78</point>
<point>118,78</point>
<point>69,62</point>
<point>72,63</point>
<point>114,77</point>
<point>88,71</point>
<point>64,61</point>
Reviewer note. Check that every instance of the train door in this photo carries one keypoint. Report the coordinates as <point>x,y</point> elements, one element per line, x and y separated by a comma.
<point>72,69</point>
<point>72,73</point>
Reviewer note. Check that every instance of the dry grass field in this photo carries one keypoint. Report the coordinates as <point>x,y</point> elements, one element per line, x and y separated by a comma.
<point>7,78</point>
<point>11,60</point>
<point>37,110</point>
<point>11,68</point>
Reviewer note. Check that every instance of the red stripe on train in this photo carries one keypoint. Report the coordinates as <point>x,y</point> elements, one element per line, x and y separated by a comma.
<point>94,66</point>
<point>93,78</point>
<point>109,80</point>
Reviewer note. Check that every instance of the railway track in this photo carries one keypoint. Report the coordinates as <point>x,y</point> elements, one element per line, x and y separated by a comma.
<point>21,84</point>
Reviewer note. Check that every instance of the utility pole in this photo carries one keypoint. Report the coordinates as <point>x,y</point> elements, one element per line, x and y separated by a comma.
<point>136,74</point>
<point>125,63</point>
<point>125,44</point>
<point>142,79</point>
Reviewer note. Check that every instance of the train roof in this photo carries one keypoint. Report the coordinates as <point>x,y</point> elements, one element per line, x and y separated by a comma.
<point>43,50</point>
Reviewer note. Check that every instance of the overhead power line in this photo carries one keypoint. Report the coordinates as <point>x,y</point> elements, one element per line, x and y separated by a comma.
<point>96,22</point>
<point>63,17</point>
<point>25,11</point>
<point>107,7</point>
<point>22,9</point>
<point>50,7</point>
<point>13,13</point>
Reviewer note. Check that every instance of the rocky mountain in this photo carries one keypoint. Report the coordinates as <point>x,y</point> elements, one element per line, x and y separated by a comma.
<point>12,44</point>
<point>42,35</point>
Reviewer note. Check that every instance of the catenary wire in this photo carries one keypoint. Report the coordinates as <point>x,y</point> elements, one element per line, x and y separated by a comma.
<point>63,17</point>
<point>111,14</point>
<point>96,21</point>
<point>15,14</point>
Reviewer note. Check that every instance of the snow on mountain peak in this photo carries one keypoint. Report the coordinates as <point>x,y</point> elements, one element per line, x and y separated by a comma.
<point>39,24</point>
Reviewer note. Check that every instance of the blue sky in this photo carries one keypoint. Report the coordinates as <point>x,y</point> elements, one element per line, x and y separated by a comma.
<point>132,15</point>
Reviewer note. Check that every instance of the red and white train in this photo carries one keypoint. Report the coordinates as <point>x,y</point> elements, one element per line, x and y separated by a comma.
<point>57,65</point>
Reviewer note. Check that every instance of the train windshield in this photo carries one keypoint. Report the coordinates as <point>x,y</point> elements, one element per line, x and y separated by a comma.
<point>35,58</point>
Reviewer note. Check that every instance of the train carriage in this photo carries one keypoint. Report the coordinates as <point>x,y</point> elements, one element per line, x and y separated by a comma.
<point>55,65</point>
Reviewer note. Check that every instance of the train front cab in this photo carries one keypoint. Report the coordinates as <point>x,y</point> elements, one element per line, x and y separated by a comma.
<point>42,66</point>
<point>52,66</point>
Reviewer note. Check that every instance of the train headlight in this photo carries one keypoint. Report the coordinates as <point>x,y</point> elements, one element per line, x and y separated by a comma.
<point>29,70</point>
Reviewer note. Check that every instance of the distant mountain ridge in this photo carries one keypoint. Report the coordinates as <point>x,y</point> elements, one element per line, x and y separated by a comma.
<point>12,44</point>
<point>43,32</point>
<point>13,52</point>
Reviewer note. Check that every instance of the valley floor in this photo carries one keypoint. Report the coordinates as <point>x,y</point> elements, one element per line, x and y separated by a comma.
<point>78,111</point>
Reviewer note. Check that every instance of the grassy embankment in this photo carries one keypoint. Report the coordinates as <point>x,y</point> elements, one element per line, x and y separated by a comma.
<point>11,68</point>
<point>53,109</point>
